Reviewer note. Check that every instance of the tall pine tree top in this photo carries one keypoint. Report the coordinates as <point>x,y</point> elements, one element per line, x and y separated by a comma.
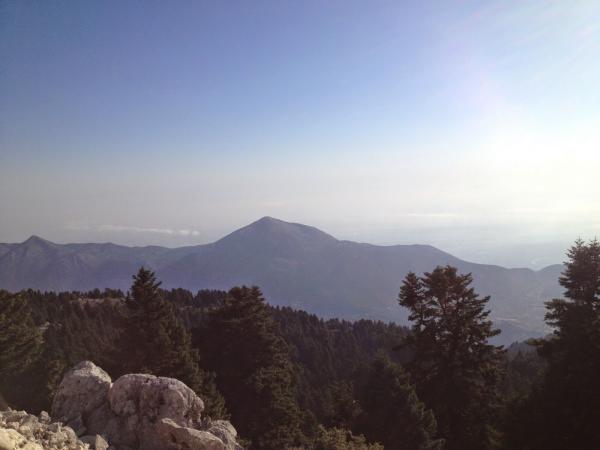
<point>565,406</point>
<point>154,341</point>
<point>456,369</point>
<point>242,343</point>
<point>581,277</point>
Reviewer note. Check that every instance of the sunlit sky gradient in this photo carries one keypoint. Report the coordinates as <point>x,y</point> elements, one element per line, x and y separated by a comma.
<point>473,126</point>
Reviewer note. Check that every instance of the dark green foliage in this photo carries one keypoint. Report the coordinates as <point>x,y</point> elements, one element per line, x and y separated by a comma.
<point>330,352</point>
<point>20,339</point>
<point>344,408</point>
<point>98,294</point>
<point>242,344</point>
<point>38,385</point>
<point>20,347</point>
<point>523,369</point>
<point>74,329</point>
<point>204,299</point>
<point>325,366</point>
<point>154,341</point>
<point>391,411</point>
<point>562,411</point>
<point>325,353</point>
<point>341,439</point>
<point>456,370</point>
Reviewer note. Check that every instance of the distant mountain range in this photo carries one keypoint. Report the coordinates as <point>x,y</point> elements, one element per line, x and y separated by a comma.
<point>294,264</point>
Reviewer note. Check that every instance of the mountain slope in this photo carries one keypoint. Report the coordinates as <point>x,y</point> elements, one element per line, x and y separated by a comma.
<point>294,264</point>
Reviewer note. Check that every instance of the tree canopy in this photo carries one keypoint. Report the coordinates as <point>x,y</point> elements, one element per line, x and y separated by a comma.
<point>155,341</point>
<point>392,414</point>
<point>241,343</point>
<point>457,370</point>
<point>562,410</point>
<point>20,344</point>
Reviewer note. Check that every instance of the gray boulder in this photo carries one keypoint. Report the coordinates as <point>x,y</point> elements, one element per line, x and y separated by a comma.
<point>155,398</point>
<point>138,412</point>
<point>96,442</point>
<point>224,431</point>
<point>170,436</point>
<point>138,402</point>
<point>82,390</point>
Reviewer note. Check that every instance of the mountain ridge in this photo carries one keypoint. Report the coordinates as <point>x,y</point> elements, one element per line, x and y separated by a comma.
<point>294,264</point>
<point>38,239</point>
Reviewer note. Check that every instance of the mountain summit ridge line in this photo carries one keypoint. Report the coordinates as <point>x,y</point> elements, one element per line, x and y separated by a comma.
<point>294,264</point>
<point>37,238</point>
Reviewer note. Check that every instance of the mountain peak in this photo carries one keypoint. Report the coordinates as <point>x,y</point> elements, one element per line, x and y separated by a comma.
<point>274,224</point>
<point>268,220</point>
<point>36,240</point>
<point>270,229</point>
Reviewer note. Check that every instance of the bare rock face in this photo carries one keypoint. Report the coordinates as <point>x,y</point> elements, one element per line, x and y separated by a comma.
<point>138,412</point>
<point>226,432</point>
<point>140,401</point>
<point>83,389</point>
<point>173,436</point>
<point>96,442</point>
<point>155,398</point>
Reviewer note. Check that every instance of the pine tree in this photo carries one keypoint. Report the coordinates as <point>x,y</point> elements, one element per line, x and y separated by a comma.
<point>242,344</point>
<point>393,414</point>
<point>341,439</point>
<point>562,412</point>
<point>155,342</point>
<point>343,407</point>
<point>457,371</point>
<point>20,339</point>
<point>20,344</point>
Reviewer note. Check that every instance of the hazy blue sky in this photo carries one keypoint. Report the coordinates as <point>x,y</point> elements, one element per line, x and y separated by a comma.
<point>470,125</point>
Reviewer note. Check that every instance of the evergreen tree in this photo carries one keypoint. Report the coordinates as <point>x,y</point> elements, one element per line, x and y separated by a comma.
<point>155,342</point>
<point>393,415</point>
<point>20,345</point>
<point>242,344</point>
<point>343,407</point>
<point>341,439</point>
<point>330,356</point>
<point>20,339</point>
<point>457,371</point>
<point>562,412</point>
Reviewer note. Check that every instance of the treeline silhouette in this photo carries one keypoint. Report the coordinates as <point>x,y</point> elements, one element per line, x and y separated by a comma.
<point>289,380</point>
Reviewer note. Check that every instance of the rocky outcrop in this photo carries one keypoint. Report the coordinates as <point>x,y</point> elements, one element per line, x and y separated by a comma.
<point>96,442</point>
<point>137,412</point>
<point>22,431</point>
<point>224,431</point>
<point>83,389</point>
<point>184,437</point>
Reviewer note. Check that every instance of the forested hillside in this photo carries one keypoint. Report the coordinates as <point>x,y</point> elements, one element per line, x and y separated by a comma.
<point>330,359</point>
<point>295,265</point>
<point>288,379</point>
